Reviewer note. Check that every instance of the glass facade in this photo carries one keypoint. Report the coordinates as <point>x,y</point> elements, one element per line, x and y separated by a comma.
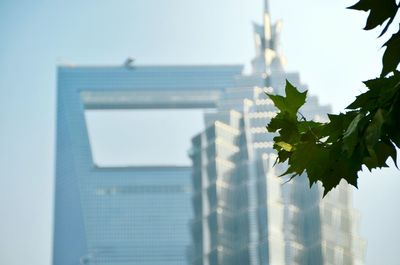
<point>133,218</point>
<point>244,214</point>
<point>228,208</point>
<point>125,215</point>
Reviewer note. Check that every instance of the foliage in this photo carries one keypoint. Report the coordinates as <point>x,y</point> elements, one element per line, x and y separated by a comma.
<point>367,133</point>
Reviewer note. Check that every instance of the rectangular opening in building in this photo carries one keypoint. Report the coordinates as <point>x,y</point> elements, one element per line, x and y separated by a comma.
<point>120,138</point>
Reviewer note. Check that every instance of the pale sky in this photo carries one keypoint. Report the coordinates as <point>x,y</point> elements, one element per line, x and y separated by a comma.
<point>321,39</point>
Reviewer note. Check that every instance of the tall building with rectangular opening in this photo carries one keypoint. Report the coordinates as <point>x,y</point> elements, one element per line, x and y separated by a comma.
<point>134,214</point>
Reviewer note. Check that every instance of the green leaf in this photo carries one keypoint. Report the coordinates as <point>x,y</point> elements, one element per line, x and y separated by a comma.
<point>282,120</point>
<point>383,83</point>
<point>292,102</point>
<point>367,100</point>
<point>335,150</point>
<point>338,125</point>
<point>395,137</point>
<point>373,131</point>
<point>294,98</point>
<point>317,167</point>
<point>303,157</point>
<point>339,167</point>
<point>380,94</point>
<point>384,151</point>
<point>391,57</point>
<point>380,11</point>
<point>285,146</point>
<point>379,154</point>
<point>351,135</point>
<point>279,101</point>
<point>282,156</point>
<point>367,134</point>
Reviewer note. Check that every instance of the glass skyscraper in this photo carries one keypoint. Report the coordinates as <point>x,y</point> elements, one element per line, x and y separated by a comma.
<point>125,215</point>
<point>229,208</point>
<point>244,213</point>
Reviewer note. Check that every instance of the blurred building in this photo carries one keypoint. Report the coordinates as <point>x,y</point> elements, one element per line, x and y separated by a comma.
<point>125,215</point>
<point>244,214</point>
<point>229,208</point>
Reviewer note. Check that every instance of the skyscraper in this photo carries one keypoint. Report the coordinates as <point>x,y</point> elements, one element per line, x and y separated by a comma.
<point>241,214</point>
<point>134,214</point>
<point>244,214</point>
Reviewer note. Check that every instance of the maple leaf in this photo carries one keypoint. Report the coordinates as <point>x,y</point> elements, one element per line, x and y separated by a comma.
<point>366,134</point>
<point>379,12</point>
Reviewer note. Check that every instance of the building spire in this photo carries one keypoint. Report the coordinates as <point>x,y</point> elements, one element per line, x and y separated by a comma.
<point>267,35</point>
<point>266,6</point>
<point>267,22</point>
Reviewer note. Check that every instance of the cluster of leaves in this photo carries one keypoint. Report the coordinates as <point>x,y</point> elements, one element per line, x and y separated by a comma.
<point>379,12</point>
<point>366,134</point>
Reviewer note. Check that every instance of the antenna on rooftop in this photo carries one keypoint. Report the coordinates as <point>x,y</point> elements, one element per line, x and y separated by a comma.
<point>129,62</point>
<point>266,6</point>
<point>267,24</point>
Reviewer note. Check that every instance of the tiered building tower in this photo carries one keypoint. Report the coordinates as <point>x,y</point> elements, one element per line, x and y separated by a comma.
<point>244,214</point>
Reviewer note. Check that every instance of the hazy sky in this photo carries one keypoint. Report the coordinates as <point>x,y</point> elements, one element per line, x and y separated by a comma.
<point>321,39</point>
